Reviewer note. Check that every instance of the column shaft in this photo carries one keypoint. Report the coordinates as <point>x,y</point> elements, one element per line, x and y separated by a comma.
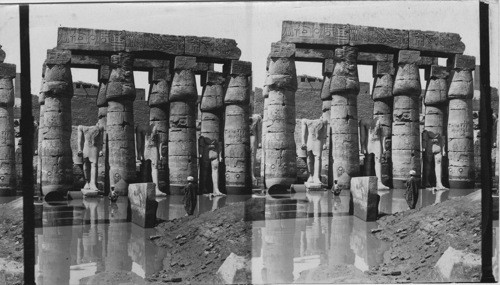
<point>7,143</point>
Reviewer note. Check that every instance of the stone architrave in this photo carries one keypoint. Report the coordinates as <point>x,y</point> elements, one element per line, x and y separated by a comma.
<point>344,89</point>
<point>435,104</point>
<point>102,104</point>
<point>237,129</point>
<point>57,168</point>
<point>120,95</point>
<point>405,123</point>
<point>460,124</point>
<point>212,116</point>
<point>365,198</point>
<point>279,118</point>
<point>382,112</point>
<point>158,99</point>
<point>143,204</point>
<point>7,142</point>
<point>182,154</point>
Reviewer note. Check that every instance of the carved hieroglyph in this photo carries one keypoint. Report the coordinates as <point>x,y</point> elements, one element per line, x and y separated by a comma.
<point>344,117</point>
<point>405,125</point>
<point>57,168</point>
<point>212,110</point>
<point>237,129</point>
<point>460,124</point>
<point>382,113</point>
<point>279,118</point>
<point>182,158</point>
<point>7,142</point>
<point>433,138</point>
<point>120,94</point>
<point>160,79</point>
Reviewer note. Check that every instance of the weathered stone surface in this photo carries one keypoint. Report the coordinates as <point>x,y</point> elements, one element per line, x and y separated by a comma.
<point>315,33</point>
<point>149,64</point>
<point>7,143</point>
<point>213,96</point>
<point>143,204</point>
<point>233,264</point>
<point>463,62</point>
<point>159,96</point>
<point>456,265</point>
<point>239,67</point>
<point>90,39</point>
<point>6,93</point>
<point>88,61</point>
<point>435,41</point>
<point>371,57</point>
<point>382,111</point>
<point>403,161</point>
<point>238,93</point>
<point>121,80</point>
<point>325,90</point>
<point>311,54</point>
<point>7,70</point>
<point>434,119</point>
<point>135,41</point>
<point>437,87</point>
<point>408,57</point>
<point>383,87</point>
<point>364,197</point>
<point>184,81</point>
<point>185,63</point>
<point>211,47</point>
<point>345,74</point>
<point>55,56</point>
<point>362,35</point>
<point>461,85</point>
<point>279,49</point>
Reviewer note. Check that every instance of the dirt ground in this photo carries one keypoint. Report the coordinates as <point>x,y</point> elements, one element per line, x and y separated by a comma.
<point>11,242</point>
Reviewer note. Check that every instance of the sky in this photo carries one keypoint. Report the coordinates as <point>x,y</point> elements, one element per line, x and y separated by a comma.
<point>254,26</point>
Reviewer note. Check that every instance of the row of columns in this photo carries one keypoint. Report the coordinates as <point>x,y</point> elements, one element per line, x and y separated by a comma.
<point>172,112</point>
<point>396,95</point>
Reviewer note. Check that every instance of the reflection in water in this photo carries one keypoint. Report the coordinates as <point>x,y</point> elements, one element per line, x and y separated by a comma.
<point>84,241</point>
<point>326,236</point>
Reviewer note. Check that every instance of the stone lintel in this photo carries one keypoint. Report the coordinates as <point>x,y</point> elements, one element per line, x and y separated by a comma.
<point>408,57</point>
<point>384,67</point>
<point>239,67</point>
<point>279,49</point>
<point>345,34</point>
<point>7,70</point>
<point>56,56</point>
<point>212,47</point>
<point>89,61</point>
<point>115,41</point>
<point>148,64</point>
<point>203,67</point>
<point>328,66</point>
<point>158,74</point>
<point>460,61</point>
<point>435,41</point>
<point>215,78</point>
<point>439,72</point>
<point>185,62</point>
<point>426,61</point>
<point>372,57</point>
<point>310,54</point>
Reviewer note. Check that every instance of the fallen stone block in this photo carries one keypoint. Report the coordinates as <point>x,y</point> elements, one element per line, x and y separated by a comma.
<point>143,204</point>
<point>364,197</point>
<point>457,266</point>
<point>229,271</point>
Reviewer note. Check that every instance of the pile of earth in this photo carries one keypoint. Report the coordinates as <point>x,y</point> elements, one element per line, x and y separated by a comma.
<point>11,242</point>
<point>198,245</point>
<point>420,237</point>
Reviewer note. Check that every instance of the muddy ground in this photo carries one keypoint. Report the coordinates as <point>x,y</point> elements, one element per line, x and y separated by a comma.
<point>11,242</point>
<point>199,245</point>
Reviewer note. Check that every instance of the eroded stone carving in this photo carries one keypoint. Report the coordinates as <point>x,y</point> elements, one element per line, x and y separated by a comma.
<point>89,148</point>
<point>314,133</point>
<point>149,147</point>
<point>7,142</point>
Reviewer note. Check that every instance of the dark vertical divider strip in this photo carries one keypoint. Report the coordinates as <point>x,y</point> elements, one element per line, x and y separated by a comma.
<point>485,114</point>
<point>27,148</point>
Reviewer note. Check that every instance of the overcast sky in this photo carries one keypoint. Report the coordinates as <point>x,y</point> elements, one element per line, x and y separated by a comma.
<point>253,25</point>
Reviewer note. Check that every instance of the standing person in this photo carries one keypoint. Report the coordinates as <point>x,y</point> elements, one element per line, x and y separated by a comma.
<point>411,194</point>
<point>190,196</point>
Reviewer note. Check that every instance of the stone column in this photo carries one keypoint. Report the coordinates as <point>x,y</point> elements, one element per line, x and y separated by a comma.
<point>326,98</point>
<point>460,125</point>
<point>182,160</point>
<point>120,94</point>
<point>435,107</point>
<point>102,104</point>
<point>237,129</point>
<point>57,164</point>
<point>279,118</point>
<point>344,89</point>
<point>41,102</point>
<point>265,94</point>
<point>212,116</point>
<point>382,111</point>
<point>158,100</point>
<point>7,143</point>
<point>405,125</point>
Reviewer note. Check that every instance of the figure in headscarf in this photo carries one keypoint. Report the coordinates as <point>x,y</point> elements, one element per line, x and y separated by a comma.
<point>190,196</point>
<point>411,194</point>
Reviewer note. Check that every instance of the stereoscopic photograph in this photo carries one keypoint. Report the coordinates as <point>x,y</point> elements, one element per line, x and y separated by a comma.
<point>283,142</point>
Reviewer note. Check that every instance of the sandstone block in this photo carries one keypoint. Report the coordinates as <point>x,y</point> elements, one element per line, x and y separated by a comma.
<point>143,204</point>
<point>364,197</point>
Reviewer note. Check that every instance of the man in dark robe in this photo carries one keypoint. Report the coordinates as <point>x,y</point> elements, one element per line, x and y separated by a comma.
<point>190,196</point>
<point>411,194</point>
